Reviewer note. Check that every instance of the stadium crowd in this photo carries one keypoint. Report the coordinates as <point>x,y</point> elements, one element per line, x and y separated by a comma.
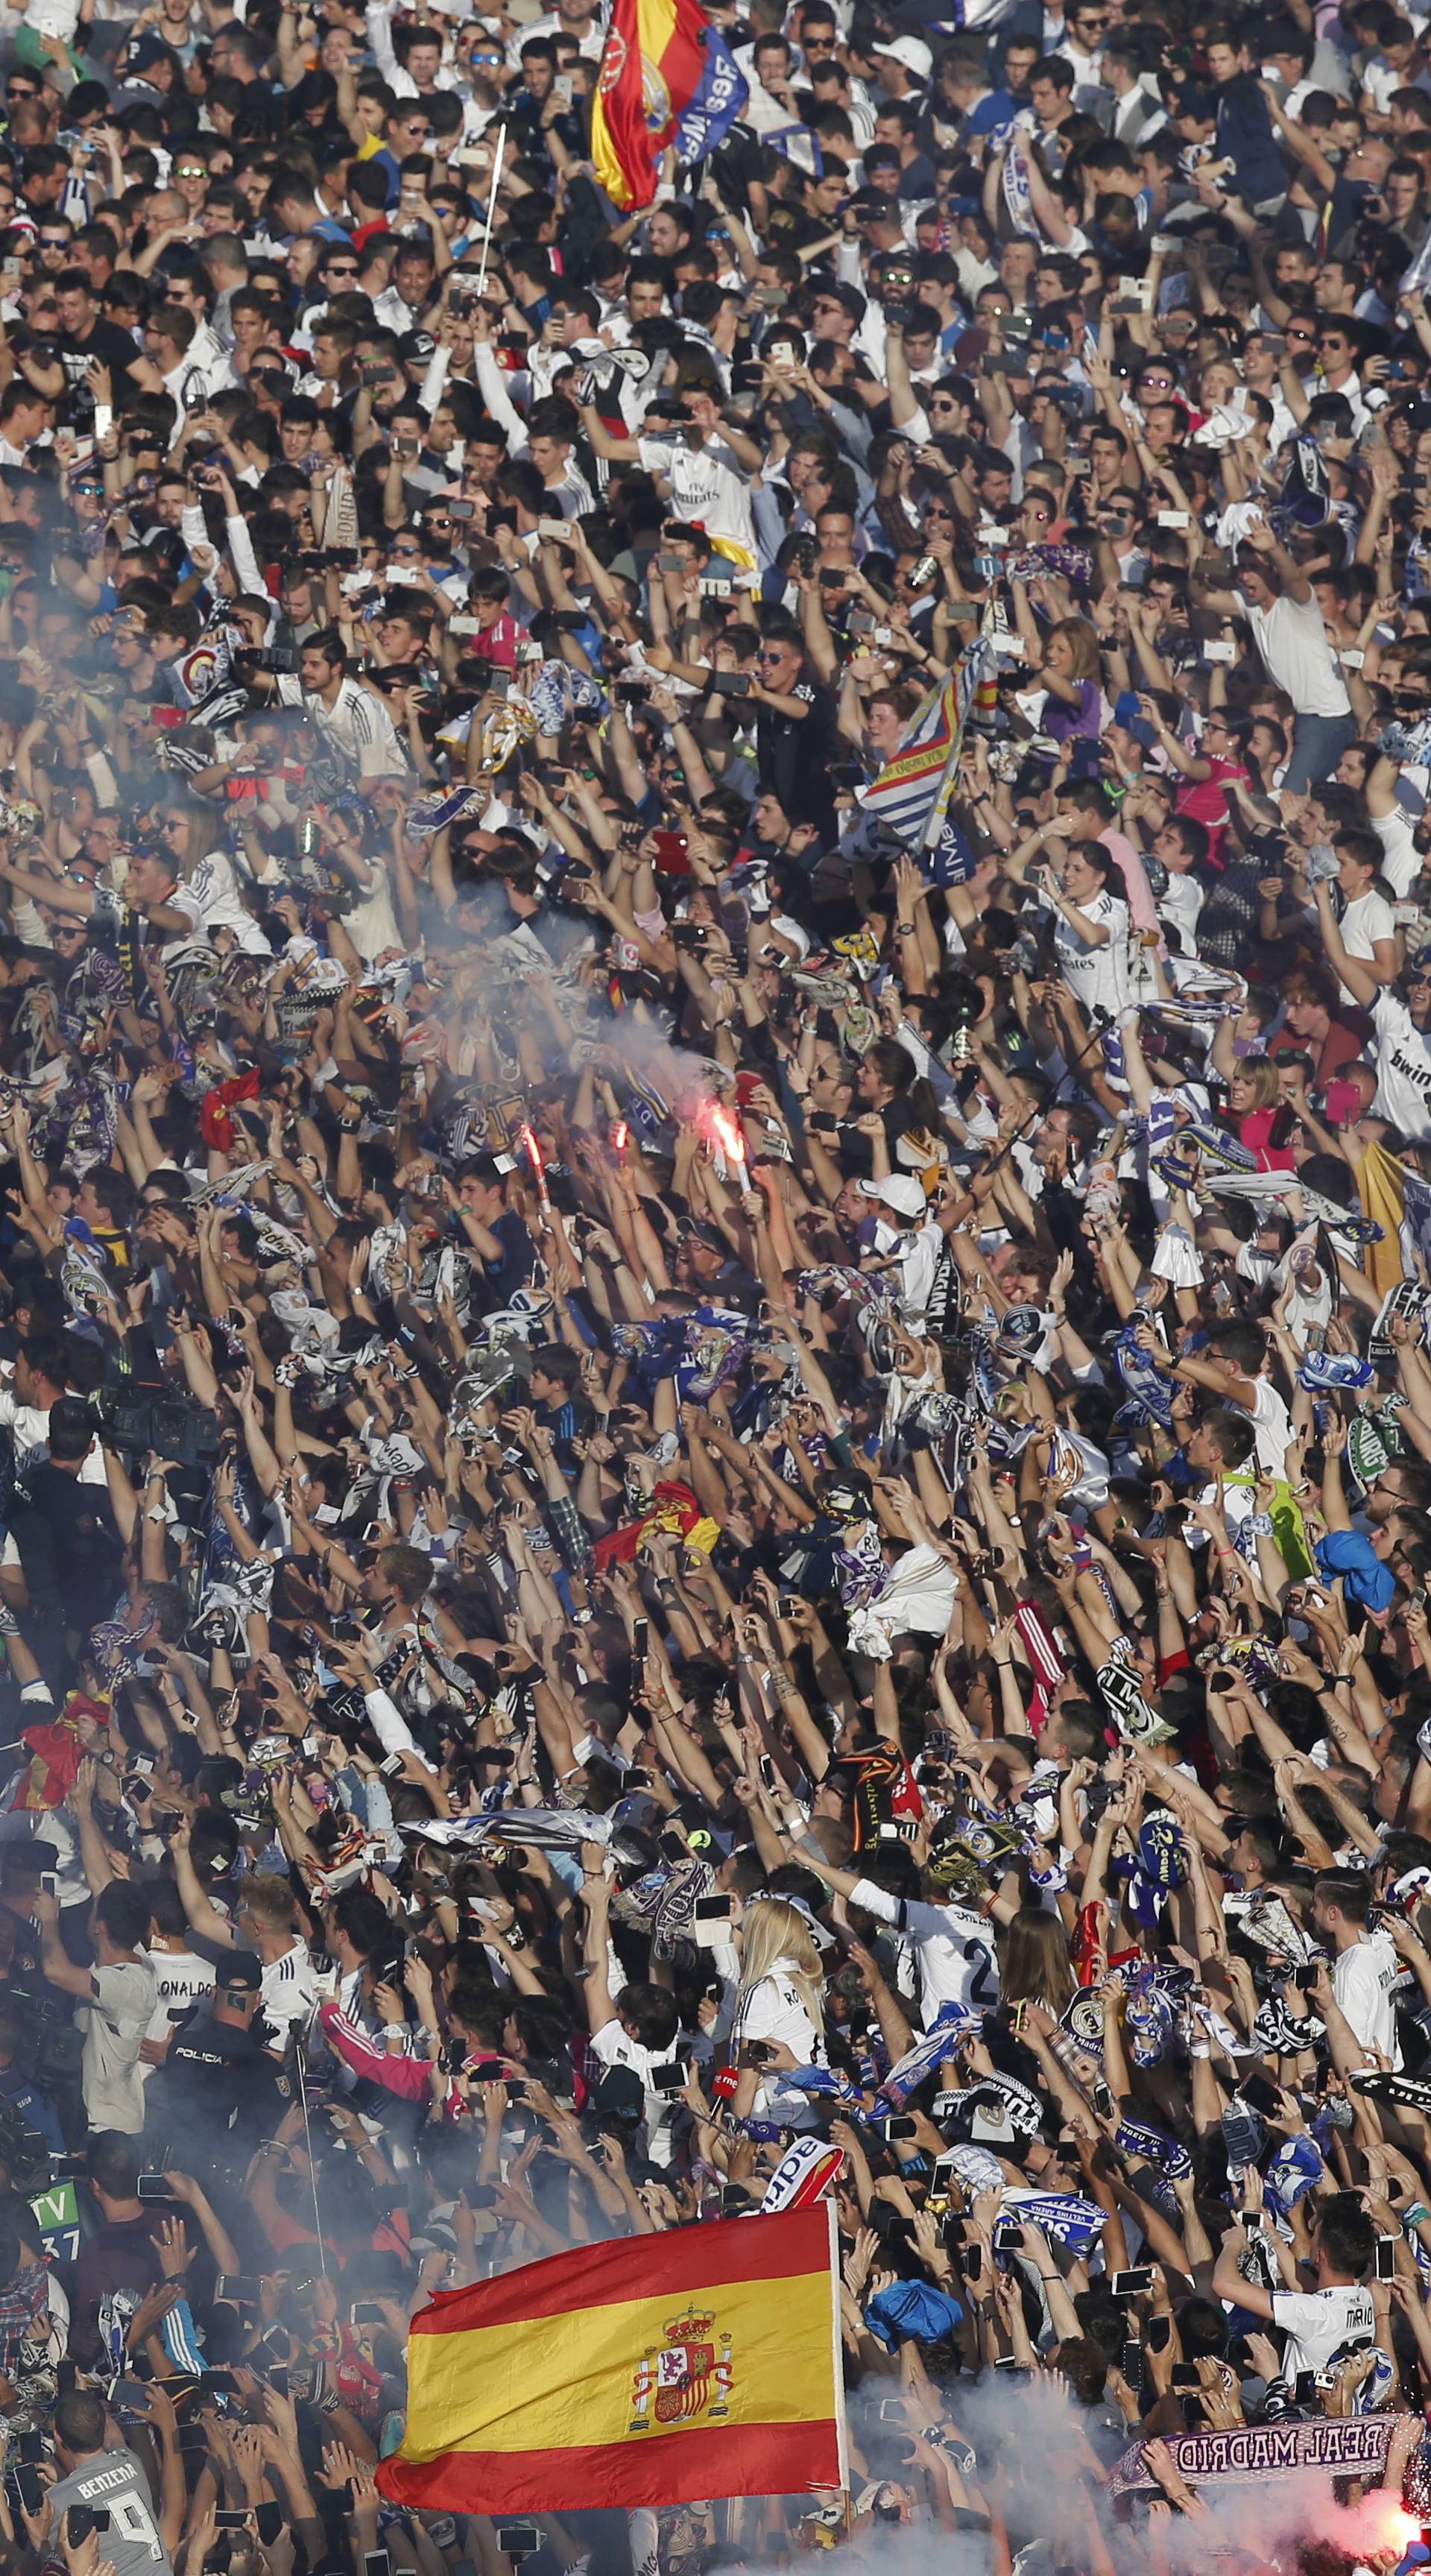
<point>715,966</point>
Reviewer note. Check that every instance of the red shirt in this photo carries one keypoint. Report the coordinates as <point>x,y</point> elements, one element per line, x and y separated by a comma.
<point>498,645</point>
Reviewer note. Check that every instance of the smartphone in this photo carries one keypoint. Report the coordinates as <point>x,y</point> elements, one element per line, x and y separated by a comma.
<point>1132,2284</point>
<point>366,2312</point>
<point>551,528</point>
<point>669,2079</point>
<point>641,1640</point>
<point>49,1883</point>
<point>376,2562</point>
<point>81,2520</point>
<point>1184,2375</point>
<point>668,848</point>
<point>1262,2095</point>
<point>155,2186</point>
<point>901,2128</point>
<point>26,2483</point>
<point>227,2520</point>
<point>1158,2333</point>
<point>238,2287</point>
<point>1386,2257</point>
<point>220,2383</point>
<point>710,1916</point>
<point>672,1846</point>
<point>729,684</point>
<point>1008,2234</point>
<point>1342,1101</point>
<point>518,2539</point>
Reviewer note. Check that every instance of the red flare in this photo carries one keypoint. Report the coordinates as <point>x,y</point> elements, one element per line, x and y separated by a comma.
<point>533,1153</point>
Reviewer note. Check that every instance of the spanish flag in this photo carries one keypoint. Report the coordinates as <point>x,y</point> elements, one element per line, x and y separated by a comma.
<point>653,66</point>
<point>649,2371</point>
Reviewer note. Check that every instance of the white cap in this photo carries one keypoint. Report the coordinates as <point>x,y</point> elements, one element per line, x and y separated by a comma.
<point>916,57</point>
<point>905,1197</point>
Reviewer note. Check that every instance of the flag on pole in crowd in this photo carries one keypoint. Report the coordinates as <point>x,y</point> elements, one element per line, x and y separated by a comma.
<point>659,84</point>
<point>722,97</point>
<point>912,792</point>
<point>647,2372</point>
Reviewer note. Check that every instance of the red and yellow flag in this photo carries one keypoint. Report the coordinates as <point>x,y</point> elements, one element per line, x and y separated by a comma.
<point>653,2370</point>
<point>652,67</point>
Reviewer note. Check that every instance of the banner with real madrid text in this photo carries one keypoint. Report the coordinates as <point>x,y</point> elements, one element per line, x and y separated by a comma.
<point>652,67</point>
<point>654,2370</point>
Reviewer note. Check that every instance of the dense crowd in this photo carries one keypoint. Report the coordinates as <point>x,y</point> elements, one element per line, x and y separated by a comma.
<point>715,1102</point>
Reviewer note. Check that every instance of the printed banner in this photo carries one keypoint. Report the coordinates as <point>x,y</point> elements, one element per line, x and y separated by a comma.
<point>1349,2448</point>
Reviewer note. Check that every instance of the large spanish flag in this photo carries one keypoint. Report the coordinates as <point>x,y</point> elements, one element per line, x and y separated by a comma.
<point>652,67</point>
<point>654,2370</point>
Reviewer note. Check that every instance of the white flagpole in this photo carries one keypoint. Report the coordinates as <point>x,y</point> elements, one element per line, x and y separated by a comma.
<point>491,205</point>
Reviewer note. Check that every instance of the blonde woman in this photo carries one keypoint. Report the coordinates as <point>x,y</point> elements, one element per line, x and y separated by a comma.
<point>779,2018</point>
<point>1068,666</point>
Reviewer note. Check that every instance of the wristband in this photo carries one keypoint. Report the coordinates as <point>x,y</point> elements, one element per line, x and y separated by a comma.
<point>1416,2215</point>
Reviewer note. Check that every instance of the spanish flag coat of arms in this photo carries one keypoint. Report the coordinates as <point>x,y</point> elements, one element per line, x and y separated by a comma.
<point>653,66</point>
<point>649,2371</point>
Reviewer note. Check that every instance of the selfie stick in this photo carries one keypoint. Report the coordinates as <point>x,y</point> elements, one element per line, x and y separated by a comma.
<point>492,205</point>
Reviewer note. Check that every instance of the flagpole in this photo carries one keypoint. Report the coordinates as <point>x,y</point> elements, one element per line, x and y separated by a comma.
<point>491,205</point>
<point>971,655</point>
<point>842,2429</point>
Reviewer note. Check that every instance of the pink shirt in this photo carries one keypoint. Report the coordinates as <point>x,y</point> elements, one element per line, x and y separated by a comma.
<point>1135,878</point>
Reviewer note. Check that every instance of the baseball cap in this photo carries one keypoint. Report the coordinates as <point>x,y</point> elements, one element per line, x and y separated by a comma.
<point>916,57</point>
<point>144,53</point>
<point>905,1196</point>
<point>242,1968</point>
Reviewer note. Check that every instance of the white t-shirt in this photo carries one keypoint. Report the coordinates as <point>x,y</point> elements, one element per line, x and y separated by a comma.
<point>1272,1426</point>
<point>1364,922</point>
<point>1403,1070</point>
<point>1319,2322</point>
<point>117,2018</point>
<point>1097,975</point>
<point>918,1255</point>
<point>707,483</point>
<point>1362,1982</point>
<point>1400,858</point>
<point>1179,904</point>
<point>953,1948</point>
<point>613,2046</point>
<point>1292,640</point>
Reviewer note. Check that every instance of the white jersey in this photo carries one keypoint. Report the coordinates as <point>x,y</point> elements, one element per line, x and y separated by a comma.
<point>1318,2323</point>
<point>1363,1981</point>
<point>1403,1070</point>
<point>953,1948</point>
<point>290,1990</point>
<point>180,1977</point>
<point>708,484</point>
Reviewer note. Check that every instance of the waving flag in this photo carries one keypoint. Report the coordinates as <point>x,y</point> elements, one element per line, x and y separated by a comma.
<point>722,96</point>
<point>701,2363</point>
<point>653,71</point>
<point>912,792</point>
